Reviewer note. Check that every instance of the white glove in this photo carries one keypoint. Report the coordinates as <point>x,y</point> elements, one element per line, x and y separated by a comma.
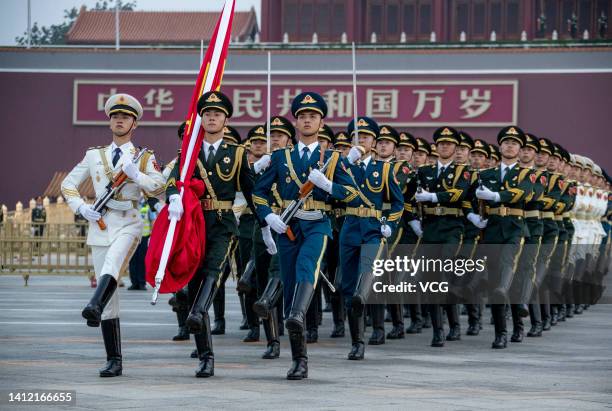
<point>89,213</point>
<point>354,154</point>
<point>476,220</point>
<point>129,168</point>
<point>276,223</point>
<point>267,237</point>
<point>158,206</point>
<point>484,193</point>
<point>425,196</point>
<point>416,227</point>
<point>175,208</point>
<point>261,164</point>
<point>385,230</point>
<point>319,180</point>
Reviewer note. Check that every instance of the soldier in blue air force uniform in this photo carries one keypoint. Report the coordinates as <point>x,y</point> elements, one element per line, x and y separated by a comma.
<point>300,259</point>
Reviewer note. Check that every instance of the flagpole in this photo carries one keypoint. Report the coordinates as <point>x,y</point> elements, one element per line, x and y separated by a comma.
<point>201,52</point>
<point>355,127</point>
<point>117,24</point>
<point>194,131</point>
<point>268,99</point>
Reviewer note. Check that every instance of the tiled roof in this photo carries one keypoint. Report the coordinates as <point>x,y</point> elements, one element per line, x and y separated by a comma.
<point>53,190</point>
<point>155,27</point>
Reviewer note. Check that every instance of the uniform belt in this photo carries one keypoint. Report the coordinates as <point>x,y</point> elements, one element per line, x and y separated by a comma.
<point>363,212</point>
<point>386,206</point>
<point>548,215</point>
<point>442,211</point>
<point>559,217</point>
<point>566,214</point>
<point>505,211</point>
<point>339,212</point>
<point>532,214</point>
<point>246,211</point>
<point>310,205</point>
<point>208,204</point>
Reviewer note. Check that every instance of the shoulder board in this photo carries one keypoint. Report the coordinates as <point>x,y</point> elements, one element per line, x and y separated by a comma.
<point>425,165</point>
<point>229,143</point>
<point>97,147</point>
<point>150,151</point>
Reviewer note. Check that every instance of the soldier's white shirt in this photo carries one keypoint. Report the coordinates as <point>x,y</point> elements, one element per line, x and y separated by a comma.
<point>122,216</point>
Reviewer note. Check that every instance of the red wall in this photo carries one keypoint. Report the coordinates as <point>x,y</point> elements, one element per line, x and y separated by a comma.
<point>38,137</point>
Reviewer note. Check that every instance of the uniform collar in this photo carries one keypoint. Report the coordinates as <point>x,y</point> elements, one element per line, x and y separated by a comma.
<point>509,167</point>
<point>440,165</point>
<point>125,148</point>
<point>311,147</point>
<point>215,145</point>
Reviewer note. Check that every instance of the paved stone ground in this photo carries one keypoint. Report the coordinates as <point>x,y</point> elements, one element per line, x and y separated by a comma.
<point>44,344</point>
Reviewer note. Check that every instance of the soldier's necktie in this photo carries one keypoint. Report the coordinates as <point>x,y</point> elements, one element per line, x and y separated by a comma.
<point>116,156</point>
<point>305,156</point>
<point>211,155</point>
<point>441,171</point>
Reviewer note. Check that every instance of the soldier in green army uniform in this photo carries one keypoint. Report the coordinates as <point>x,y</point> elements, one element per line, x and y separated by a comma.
<point>526,268</point>
<point>267,269</point>
<point>505,189</point>
<point>550,229</point>
<point>441,189</point>
<point>225,170</point>
<point>257,140</point>
<point>472,154</point>
<point>39,218</point>
<point>556,271</point>
<point>409,228</point>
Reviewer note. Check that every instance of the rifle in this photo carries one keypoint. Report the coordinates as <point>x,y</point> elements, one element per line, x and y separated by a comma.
<point>112,188</point>
<point>481,203</point>
<point>304,194</point>
<point>419,204</point>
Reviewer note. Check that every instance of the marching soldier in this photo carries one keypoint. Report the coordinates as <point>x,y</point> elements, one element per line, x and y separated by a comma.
<point>113,246</point>
<point>408,232</point>
<point>443,187</point>
<point>267,269</point>
<point>472,153</point>
<point>526,268</point>
<point>505,189</point>
<point>225,170</point>
<point>303,246</point>
<point>375,184</point>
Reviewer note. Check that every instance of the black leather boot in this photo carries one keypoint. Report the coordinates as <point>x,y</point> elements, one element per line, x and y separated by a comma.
<point>498,312</point>
<point>246,283</point>
<point>416,320</point>
<point>536,321</point>
<point>181,316</point>
<point>267,302</point>
<point>426,317</point>
<point>302,296</point>
<point>397,332</point>
<point>104,291</point>
<point>435,313</point>
<point>203,301</point>
<point>337,309</point>
<point>378,324</point>
<point>312,320</point>
<point>517,322</point>
<point>219,310</point>
<point>554,315</point>
<point>299,355</point>
<point>244,325</point>
<point>474,324</point>
<point>356,327</point>
<point>111,333</point>
<point>452,313</point>
<point>252,318</point>
<point>205,350</point>
<point>270,327</point>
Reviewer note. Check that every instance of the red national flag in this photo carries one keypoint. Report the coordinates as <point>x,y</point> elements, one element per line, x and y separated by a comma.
<point>176,248</point>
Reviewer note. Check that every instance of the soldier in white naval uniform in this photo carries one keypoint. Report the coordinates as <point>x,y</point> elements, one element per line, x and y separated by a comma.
<point>113,247</point>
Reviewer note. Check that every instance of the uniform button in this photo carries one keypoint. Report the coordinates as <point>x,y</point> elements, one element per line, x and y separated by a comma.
<point>210,173</point>
<point>207,195</point>
<point>362,186</point>
<point>361,206</point>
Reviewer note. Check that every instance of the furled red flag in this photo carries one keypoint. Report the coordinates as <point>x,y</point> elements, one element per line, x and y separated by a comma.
<point>176,248</point>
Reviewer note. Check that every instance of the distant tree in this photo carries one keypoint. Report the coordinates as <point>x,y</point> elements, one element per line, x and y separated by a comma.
<point>55,33</point>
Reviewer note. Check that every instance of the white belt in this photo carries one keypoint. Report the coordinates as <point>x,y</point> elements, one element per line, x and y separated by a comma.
<point>119,205</point>
<point>309,215</point>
